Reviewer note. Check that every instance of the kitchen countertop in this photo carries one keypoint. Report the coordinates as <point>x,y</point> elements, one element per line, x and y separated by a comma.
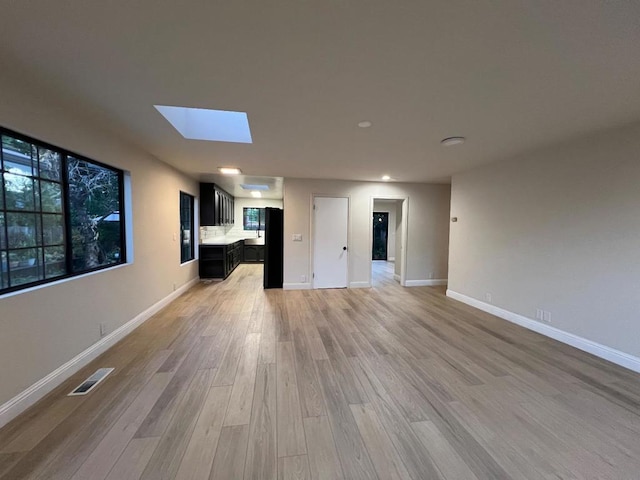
<point>222,241</point>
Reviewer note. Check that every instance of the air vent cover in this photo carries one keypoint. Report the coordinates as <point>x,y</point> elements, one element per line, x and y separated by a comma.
<point>91,382</point>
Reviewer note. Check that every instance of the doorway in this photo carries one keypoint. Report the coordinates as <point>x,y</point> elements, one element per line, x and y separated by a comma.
<point>380,236</point>
<point>388,218</point>
<point>330,233</point>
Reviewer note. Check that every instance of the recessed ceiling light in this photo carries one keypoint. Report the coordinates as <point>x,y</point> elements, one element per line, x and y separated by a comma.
<point>365,124</point>
<point>256,194</point>
<point>206,124</point>
<point>451,141</point>
<point>229,170</point>
<point>247,186</point>
<point>386,178</point>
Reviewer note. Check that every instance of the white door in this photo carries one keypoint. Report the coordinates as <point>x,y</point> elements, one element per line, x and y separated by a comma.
<point>330,255</point>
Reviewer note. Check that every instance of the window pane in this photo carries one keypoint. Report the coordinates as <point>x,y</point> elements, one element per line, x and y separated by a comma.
<point>19,192</point>
<point>3,239</point>
<point>94,207</point>
<point>50,166</point>
<point>186,227</point>
<point>25,266</point>
<point>23,230</point>
<point>51,196</point>
<point>16,156</point>
<point>2,195</point>
<point>53,229</point>
<point>54,263</point>
<point>4,270</point>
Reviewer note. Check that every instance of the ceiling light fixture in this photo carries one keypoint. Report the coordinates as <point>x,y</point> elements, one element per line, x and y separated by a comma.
<point>451,141</point>
<point>386,178</point>
<point>256,194</point>
<point>251,186</point>
<point>365,124</point>
<point>229,170</point>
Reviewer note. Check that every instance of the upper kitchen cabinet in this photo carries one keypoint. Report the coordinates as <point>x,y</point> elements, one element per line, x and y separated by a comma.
<point>216,206</point>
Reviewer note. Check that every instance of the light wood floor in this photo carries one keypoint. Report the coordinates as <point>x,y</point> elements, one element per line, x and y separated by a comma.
<point>231,382</point>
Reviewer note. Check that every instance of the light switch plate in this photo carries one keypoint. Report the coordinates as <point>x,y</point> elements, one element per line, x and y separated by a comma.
<point>297,237</point>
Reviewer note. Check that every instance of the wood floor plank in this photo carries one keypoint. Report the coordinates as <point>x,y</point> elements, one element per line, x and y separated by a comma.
<point>385,459</point>
<point>98,465</point>
<point>198,457</point>
<point>268,339</point>
<point>443,454</point>
<point>291,439</point>
<point>229,364</point>
<point>308,385</point>
<point>294,468</point>
<point>261,459</point>
<point>324,463</point>
<point>166,458</point>
<point>239,410</point>
<point>134,459</point>
<point>353,455</point>
<point>230,454</point>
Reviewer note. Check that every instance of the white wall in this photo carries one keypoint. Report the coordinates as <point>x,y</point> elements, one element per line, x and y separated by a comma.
<point>428,227</point>
<point>42,329</point>
<point>389,206</point>
<point>557,230</point>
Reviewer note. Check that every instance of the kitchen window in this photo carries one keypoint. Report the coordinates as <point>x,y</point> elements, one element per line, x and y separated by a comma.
<point>60,213</point>
<point>253,218</point>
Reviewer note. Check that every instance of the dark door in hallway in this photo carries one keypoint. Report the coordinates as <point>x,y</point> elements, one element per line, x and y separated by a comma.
<point>380,235</point>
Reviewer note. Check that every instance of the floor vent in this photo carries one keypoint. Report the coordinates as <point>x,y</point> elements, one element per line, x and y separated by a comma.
<point>91,382</point>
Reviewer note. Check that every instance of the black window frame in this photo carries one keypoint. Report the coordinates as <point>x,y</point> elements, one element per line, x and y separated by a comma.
<point>66,212</point>
<point>261,219</point>
<point>192,249</point>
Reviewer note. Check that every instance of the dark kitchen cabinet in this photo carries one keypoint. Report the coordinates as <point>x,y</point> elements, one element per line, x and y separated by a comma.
<point>253,253</point>
<point>216,206</point>
<point>218,261</point>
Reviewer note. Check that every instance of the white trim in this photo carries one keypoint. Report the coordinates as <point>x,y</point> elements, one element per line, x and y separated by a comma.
<point>28,397</point>
<point>426,283</point>
<point>296,286</point>
<point>391,259</point>
<point>611,354</point>
<point>396,277</point>
<point>360,285</point>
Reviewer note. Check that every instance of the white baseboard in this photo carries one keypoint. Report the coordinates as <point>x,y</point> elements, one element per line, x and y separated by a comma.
<point>28,397</point>
<point>359,284</point>
<point>611,354</point>
<point>396,277</point>
<point>296,286</point>
<point>426,283</point>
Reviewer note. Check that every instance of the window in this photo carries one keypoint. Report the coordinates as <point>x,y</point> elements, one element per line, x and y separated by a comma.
<point>186,227</point>
<point>253,218</point>
<point>59,213</point>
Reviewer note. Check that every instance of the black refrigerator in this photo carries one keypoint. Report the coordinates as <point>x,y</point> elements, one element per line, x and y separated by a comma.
<point>273,247</point>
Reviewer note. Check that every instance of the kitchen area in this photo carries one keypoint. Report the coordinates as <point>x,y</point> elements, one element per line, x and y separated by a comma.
<point>241,223</point>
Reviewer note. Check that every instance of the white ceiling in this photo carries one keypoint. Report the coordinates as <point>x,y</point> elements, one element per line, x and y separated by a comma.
<point>510,75</point>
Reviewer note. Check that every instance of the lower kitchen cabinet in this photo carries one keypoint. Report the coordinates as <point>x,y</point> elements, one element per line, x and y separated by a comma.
<point>253,253</point>
<point>218,261</point>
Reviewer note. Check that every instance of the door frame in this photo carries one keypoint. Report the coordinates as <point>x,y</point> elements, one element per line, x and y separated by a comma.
<point>404,201</point>
<point>312,233</point>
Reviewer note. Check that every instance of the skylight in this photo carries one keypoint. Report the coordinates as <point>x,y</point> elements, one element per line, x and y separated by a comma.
<point>247,186</point>
<point>205,124</point>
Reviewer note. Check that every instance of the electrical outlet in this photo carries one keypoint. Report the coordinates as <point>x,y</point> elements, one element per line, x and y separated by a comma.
<point>546,317</point>
<point>487,297</point>
<point>103,329</point>
<point>430,275</point>
<point>539,314</point>
<point>303,278</point>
